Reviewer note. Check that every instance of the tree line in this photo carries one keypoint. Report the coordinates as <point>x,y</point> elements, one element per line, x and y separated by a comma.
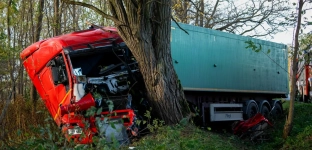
<point>24,22</point>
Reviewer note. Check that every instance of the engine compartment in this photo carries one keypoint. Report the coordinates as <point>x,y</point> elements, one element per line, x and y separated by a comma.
<point>110,74</point>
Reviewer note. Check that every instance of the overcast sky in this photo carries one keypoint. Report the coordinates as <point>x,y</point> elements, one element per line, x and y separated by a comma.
<point>287,36</point>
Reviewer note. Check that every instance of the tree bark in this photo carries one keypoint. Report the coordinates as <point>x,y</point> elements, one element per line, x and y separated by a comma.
<point>147,35</point>
<point>57,18</point>
<point>201,13</point>
<point>38,28</point>
<point>289,121</point>
<point>145,28</point>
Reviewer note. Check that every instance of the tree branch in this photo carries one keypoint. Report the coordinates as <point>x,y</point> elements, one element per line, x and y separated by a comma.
<point>93,8</point>
<point>213,12</point>
<point>179,26</point>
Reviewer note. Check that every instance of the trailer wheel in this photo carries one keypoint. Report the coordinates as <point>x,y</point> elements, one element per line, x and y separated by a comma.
<point>277,110</point>
<point>265,111</point>
<point>251,110</point>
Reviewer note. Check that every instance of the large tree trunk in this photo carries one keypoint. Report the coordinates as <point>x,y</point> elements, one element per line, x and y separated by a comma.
<point>147,34</point>
<point>289,121</point>
<point>145,28</point>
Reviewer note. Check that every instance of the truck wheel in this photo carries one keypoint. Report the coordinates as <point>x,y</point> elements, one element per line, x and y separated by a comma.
<point>251,110</point>
<point>265,111</point>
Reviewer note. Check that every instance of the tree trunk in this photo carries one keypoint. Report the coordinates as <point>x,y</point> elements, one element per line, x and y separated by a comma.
<point>289,121</point>
<point>36,37</point>
<point>201,13</point>
<point>150,45</point>
<point>145,28</point>
<point>57,18</point>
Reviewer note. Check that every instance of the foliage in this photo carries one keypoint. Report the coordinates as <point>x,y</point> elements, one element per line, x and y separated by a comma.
<point>304,48</point>
<point>180,136</point>
<point>22,124</point>
<point>26,129</point>
<point>184,137</point>
<point>300,137</point>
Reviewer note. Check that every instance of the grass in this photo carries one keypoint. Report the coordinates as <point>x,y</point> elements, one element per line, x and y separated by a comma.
<point>179,137</point>
<point>184,137</point>
<point>189,137</point>
<point>301,135</point>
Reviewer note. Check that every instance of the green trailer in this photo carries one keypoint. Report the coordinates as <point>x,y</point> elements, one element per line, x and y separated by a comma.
<point>219,73</point>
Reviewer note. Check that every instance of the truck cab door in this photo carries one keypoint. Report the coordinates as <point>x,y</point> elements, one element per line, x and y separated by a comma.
<point>55,82</point>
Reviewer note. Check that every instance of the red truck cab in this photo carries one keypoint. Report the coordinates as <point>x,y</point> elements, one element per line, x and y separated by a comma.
<point>86,69</point>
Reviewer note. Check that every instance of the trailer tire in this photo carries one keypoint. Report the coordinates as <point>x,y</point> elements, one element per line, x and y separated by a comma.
<point>277,110</point>
<point>251,110</point>
<point>265,111</point>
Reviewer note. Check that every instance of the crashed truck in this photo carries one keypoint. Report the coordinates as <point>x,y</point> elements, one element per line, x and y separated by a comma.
<point>222,80</point>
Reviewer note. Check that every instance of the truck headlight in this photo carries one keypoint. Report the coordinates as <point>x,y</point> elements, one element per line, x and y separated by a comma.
<point>74,131</point>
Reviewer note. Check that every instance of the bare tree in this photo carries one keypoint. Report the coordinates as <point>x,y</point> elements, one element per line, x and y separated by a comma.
<point>252,18</point>
<point>145,28</point>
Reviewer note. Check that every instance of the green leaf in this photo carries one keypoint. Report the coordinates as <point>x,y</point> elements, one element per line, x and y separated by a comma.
<point>110,105</point>
<point>138,122</point>
<point>99,111</point>
<point>91,111</point>
<point>184,121</point>
<point>112,125</point>
<point>209,128</point>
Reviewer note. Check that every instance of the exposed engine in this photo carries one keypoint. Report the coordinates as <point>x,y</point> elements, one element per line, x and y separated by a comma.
<point>111,88</point>
<point>114,83</point>
<point>109,75</point>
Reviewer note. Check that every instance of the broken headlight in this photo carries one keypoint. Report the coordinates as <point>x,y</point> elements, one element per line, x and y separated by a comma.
<point>74,131</point>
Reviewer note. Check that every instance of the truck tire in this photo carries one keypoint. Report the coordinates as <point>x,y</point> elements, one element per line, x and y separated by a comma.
<point>251,110</point>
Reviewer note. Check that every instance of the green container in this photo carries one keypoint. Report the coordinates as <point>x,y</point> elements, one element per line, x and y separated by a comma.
<point>210,60</point>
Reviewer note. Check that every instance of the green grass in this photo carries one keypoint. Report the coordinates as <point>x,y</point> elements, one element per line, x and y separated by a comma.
<point>186,137</point>
<point>189,137</point>
<point>301,135</point>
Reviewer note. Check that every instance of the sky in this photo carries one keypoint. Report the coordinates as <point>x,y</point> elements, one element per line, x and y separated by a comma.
<point>286,37</point>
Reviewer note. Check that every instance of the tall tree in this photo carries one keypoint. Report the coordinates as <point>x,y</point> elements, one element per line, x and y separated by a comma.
<point>57,18</point>
<point>145,28</point>
<point>252,17</point>
<point>289,121</point>
<point>36,37</point>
